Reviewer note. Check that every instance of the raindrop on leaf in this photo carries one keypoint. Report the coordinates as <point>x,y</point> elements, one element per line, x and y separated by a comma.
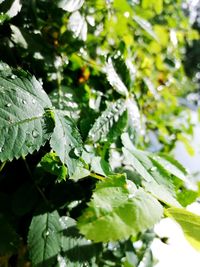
<point>35,133</point>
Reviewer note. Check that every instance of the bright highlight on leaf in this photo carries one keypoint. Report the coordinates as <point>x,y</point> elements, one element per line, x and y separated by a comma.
<point>190,224</point>
<point>154,177</point>
<point>118,210</point>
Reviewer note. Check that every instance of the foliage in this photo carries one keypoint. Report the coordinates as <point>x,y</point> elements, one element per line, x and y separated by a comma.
<point>89,114</point>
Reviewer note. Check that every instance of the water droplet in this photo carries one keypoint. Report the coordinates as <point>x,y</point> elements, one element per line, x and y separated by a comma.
<point>45,233</point>
<point>77,152</point>
<point>8,105</point>
<point>35,133</point>
<point>33,101</point>
<point>24,102</point>
<point>1,149</point>
<point>13,76</point>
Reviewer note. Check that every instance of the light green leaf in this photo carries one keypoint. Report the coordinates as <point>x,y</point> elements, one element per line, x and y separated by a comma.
<point>14,9</point>
<point>134,118</point>
<point>26,122</point>
<point>144,24</point>
<point>155,178</point>
<point>78,25</point>
<point>114,79</point>
<point>190,224</point>
<point>70,5</point>
<point>106,122</point>
<point>44,240</point>
<point>66,141</point>
<point>51,163</point>
<point>172,166</point>
<point>157,5</point>
<point>100,166</point>
<point>118,210</point>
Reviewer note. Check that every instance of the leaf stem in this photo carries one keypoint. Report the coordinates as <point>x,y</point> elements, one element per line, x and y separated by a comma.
<point>97,176</point>
<point>35,184</point>
<point>2,166</point>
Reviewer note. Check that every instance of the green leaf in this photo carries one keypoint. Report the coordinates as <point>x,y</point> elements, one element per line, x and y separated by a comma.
<point>157,5</point>
<point>26,122</point>
<point>11,8</point>
<point>107,121</point>
<point>70,5</point>
<point>118,210</point>
<point>66,141</point>
<point>52,164</point>
<point>75,248</point>
<point>134,117</point>
<point>66,100</point>
<point>155,178</point>
<point>190,224</point>
<point>44,239</point>
<point>3,17</point>
<point>100,166</point>
<point>78,25</point>
<point>114,79</point>
<point>145,25</point>
<point>172,166</point>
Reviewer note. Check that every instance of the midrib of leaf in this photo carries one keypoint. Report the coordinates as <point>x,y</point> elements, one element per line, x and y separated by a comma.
<point>65,144</point>
<point>46,236</point>
<point>11,124</point>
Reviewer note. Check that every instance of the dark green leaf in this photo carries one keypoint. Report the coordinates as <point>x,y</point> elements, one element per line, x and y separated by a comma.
<point>44,239</point>
<point>66,142</point>
<point>75,248</point>
<point>25,121</point>
<point>107,121</point>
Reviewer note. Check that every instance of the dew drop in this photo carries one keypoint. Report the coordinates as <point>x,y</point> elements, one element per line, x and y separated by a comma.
<point>77,152</point>
<point>33,101</point>
<point>13,76</point>
<point>24,102</point>
<point>45,234</point>
<point>1,149</point>
<point>35,133</point>
<point>8,105</point>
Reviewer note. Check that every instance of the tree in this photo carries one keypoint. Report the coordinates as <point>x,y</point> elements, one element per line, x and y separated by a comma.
<point>89,114</point>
